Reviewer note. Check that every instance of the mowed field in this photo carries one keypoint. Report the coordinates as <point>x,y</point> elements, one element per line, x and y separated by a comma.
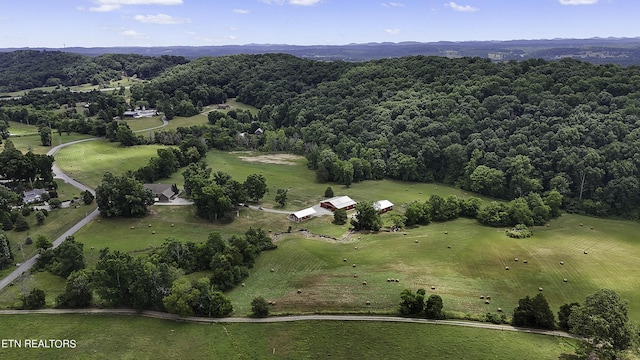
<point>460,259</point>
<point>88,161</point>
<point>102,337</point>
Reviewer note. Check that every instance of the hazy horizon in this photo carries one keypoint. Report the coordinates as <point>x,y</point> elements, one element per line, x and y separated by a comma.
<point>157,23</point>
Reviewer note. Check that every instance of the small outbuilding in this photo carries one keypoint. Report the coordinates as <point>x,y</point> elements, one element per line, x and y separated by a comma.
<point>382,206</point>
<point>338,202</point>
<point>302,215</point>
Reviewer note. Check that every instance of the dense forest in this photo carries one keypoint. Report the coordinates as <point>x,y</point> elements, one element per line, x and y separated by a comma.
<point>28,69</point>
<point>503,130</point>
<point>499,129</point>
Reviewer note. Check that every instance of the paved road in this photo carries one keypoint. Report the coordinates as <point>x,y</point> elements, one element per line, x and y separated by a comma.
<point>274,319</point>
<point>58,174</point>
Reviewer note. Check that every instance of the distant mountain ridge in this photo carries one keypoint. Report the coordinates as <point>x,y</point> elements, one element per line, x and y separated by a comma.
<point>624,51</point>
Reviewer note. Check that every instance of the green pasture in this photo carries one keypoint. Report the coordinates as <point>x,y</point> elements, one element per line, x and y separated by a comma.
<point>181,121</point>
<point>303,189</point>
<point>88,161</point>
<point>32,142</point>
<point>20,129</point>
<point>133,337</point>
<point>472,266</point>
<point>144,123</point>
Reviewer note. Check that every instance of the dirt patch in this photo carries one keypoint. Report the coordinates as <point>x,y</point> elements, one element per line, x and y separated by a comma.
<point>280,159</point>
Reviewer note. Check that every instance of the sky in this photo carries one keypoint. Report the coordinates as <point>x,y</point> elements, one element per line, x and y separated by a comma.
<point>98,23</point>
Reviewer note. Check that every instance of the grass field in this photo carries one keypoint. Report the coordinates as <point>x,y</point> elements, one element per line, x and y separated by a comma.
<point>32,142</point>
<point>88,161</point>
<point>473,266</point>
<point>106,337</point>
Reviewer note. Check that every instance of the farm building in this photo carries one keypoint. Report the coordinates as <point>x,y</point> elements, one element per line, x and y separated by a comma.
<point>162,192</point>
<point>33,196</point>
<point>338,202</point>
<point>382,206</point>
<point>302,215</point>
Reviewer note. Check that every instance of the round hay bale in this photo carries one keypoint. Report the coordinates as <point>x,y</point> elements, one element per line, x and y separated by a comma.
<point>355,248</point>
<point>353,265</point>
<point>481,296</point>
<point>565,280</point>
<point>388,280</point>
<point>524,261</point>
<point>516,259</point>
<point>591,228</point>
<point>499,309</point>
<point>416,241</point>
<point>149,225</point>
<point>153,232</point>
<point>397,280</point>
<point>448,246</point>
<point>506,268</point>
<point>433,288</point>
<point>355,276</point>
<point>561,262</point>
<point>344,260</point>
<point>133,227</point>
<point>540,289</point>
<point>581,224</point>
<point>548,225</point>
<point>446,232</point>
<point>488,297</point>
<point>273,270</point>
<point>405,234</point>
<point>368,302</point>
<point>273,303</point>
<point>585,252</point>
<point>92,248</point>
<point>270,302</point>
<point>299,291</point>
<point>487,302</point>
<point>364,282</point>
<point>173,225</point>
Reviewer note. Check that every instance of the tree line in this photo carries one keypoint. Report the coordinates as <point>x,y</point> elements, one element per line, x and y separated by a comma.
<point>155,281</point>
<point>28,69</point>
<point>500,129</point>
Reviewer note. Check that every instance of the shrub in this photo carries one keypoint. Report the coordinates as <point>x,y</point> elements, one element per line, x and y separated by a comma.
<point>340,217</point>
<point>259,307</point>
<point>35,300</point>
<point>28,241</point>
<point>519,231</point>
<point>328,193</point>
<point>26,211</point>
<point>21,224</point>
<point>55,204</point>
<point>40,217</point>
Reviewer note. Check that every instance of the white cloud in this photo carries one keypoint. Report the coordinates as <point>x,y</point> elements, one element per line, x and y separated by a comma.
<point>393,4</point>
<point>464,8</point>
<point>241,11</point>
<point>578,2</point>
<point>393,31</point>
<point>291,2</point>
<point>304,2</point>
<point>161,19</point>
<point>131,33</point>
<point>110,5</point>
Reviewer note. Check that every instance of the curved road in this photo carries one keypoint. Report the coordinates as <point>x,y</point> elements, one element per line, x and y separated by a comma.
<point>59,174</point>
<point>166,316</point>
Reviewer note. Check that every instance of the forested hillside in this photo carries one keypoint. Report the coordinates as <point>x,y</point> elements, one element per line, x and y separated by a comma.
<point>500,129</point>
<point>28,69</point>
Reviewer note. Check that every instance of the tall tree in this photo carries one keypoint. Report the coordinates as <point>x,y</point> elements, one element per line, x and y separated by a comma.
<point>255,186</point>
<point>367,218</point>
<point>604,321</point>
<point>122,196</point>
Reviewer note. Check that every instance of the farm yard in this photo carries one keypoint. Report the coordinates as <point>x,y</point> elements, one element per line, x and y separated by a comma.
<point>461,259</point>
